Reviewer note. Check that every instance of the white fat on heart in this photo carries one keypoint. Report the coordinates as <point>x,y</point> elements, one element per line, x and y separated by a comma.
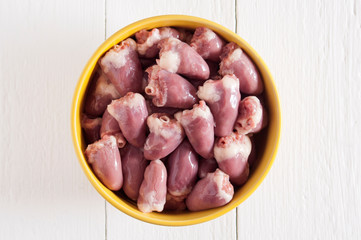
<point>196,112</point>
<point>150,203</point>
<point>117,57</point>
<point>234,56</point>
<point>208,92</point>
<point>175,198</point>
<point>153,39</point>
<point>256,116</point>
<point>104,87</point>
<point>218,179</point>
<point>230,82</point>
<point>169,60</point>
<point>202,112</point>
<point>209,34</point>
<point>147,208</point>
<point>233,148</point>
<point>180,192</point>
<point>93,148</point>
<point>166,32</point>
<point>111,141</point>
<point>226,71</point>
<point>156,126</point>
<point>136,100</point>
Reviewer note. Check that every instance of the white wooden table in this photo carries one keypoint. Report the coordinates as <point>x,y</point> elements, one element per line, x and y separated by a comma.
<point>313,49</point>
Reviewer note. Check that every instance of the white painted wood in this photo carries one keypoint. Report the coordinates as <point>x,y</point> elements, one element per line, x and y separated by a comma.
<point>118,15</point>
<point>314,188</point>
<point>313,49</point>
<point>43,191</point>
<point>121,226</point>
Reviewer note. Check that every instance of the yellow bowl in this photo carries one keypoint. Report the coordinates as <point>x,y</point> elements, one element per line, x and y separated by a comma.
<point>267,141</point>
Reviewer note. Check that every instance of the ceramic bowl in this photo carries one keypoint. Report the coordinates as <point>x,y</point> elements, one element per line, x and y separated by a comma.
<point>267,140</point>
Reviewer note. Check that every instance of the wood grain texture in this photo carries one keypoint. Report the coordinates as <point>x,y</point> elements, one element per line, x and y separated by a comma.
<point>119,15</point>
<point>313,49</point>
<point>43,191</point>
<point>314,188</point>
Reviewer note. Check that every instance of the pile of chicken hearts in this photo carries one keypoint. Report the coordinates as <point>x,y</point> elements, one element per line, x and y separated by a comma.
<point>169,118</point>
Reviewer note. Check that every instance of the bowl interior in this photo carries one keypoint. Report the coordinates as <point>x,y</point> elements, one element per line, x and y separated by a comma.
<point>267,140</point>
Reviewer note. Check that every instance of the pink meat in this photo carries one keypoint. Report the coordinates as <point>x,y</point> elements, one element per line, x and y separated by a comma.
<point>207,43</point>
<point>244,176</point>
<point>165,135</point>
<point>133,165</point>
<point>91,128</point>
<point>198,125</point>
<point>222,97</point>
<point>110,126</point>
<point>122,66</point>
<point>154,109</point>
<point>185,35</point>
<point>250,116</point>
<point>153,190</point>
<point>232,153</point>
<point>100,94</point>
<point>178,57</point>
<point>214,190</point>
<point>235,61</point>
<point>131,113</point>
<point>175,203</point>
<point>104,158</point>
<point>169,89</point>
<point>213,68</point>
<point>206,166</point>
<point>182,169</point>
<point>147,41</point>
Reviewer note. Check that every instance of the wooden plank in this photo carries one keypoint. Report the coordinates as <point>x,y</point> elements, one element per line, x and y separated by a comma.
<point>125,227</point>
<point>312,192</point>
<point>43,191</point>
<point>314,188</point>
<point>118,15</point>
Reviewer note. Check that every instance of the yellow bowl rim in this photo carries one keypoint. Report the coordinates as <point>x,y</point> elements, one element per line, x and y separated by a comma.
<point>75,118</point>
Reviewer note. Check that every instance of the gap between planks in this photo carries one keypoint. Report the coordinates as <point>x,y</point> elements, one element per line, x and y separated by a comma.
<point>105,220</point>
<point>105,20</point>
